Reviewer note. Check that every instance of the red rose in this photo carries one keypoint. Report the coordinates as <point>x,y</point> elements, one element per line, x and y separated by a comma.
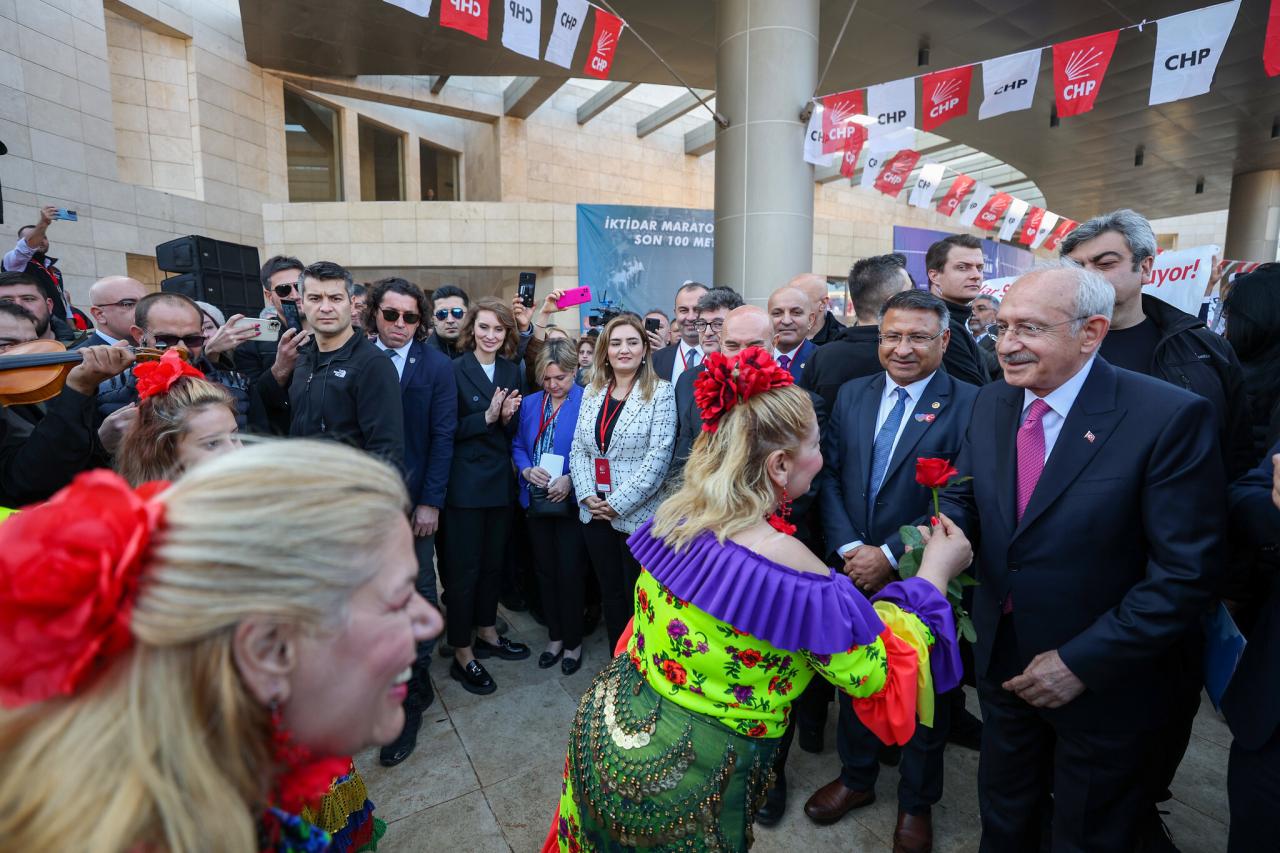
<point>643,598</point>
<point>749,657</point>
<point>934,473</point>
<point>674,672</point>
<point>69,571</point>
<point>758,730</point>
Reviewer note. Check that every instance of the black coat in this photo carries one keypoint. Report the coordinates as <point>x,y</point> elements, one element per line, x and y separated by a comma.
<point>830,331</point>
<point>963,358</point>
<point>481,474</point>
<point>688,418</point>
<point>429,394</point>
<point>119,391</point>
<point>41,454</point>
<point>851,355</point>
<point>443,347</point>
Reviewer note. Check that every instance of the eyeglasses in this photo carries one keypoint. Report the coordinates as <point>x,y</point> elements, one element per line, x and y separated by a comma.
<point>893,339</point>
<point>410,317</point>
<point>123,303</point>
<point>190,341</point>
<point>715,325</point>
<point>283,290</point>
<point>456,313</point>
<point>1027,331</point>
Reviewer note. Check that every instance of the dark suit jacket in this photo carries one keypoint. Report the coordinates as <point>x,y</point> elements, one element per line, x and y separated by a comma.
<point>664,361</point>
<point>93,339</point>
<point>963,359</point>
<point>846,451</point>
<point>853,354</point>
<point>797,366</point>
<point>688,418</point>
<point>1252,701</point>
<point>524,450</point>
<point>1120,549</point>
<point>830,331</point>
<point>480,475</point>
<point>429,393</point>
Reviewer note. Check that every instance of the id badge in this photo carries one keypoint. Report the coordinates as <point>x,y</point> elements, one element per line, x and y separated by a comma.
<point>604,479</point>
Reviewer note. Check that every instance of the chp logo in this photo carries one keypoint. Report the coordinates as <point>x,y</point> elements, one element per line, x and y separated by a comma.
<point>1078,69</point>
<point>946,95</point>
<point>1079,72</point>
<point>839,126</point>
<point>603,45</point>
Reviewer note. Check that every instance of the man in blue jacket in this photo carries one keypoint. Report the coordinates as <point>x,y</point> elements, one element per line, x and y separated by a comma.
<point>398,311</point>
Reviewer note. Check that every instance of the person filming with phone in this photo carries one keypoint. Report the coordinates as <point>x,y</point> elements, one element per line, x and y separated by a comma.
<point>258,347</point>
<point>31,255</point>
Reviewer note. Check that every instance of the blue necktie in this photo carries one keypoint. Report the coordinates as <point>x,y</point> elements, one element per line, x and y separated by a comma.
<point>883,448</point>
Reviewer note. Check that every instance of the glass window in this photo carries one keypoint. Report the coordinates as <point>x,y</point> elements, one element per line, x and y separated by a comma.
<point>381,164</point>
<point>439,171</point>
<point>311,146</point>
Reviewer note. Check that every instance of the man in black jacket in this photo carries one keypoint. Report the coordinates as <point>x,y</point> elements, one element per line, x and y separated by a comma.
<point>955,266</point>
<point>451,304</point>
<point>827,328</point>
<point>344,387</point>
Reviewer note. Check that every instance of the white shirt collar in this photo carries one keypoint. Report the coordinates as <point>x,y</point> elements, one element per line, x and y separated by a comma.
<point>1062,398</point>
<point>791,355</point>
<point>685,349</point>
<point>110,340</point>
<point>915,390</point>
<point>401,352</point>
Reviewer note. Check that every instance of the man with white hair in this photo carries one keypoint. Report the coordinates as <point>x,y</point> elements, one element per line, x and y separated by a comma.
<point>1096,509</point>
<point>827,328</point>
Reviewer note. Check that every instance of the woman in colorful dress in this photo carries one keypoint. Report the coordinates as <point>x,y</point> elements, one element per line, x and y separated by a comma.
<point>184,669</point>
<point>672,747</point>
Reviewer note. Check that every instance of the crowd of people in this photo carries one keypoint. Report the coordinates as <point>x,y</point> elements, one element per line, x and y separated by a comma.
<point>731,489</point>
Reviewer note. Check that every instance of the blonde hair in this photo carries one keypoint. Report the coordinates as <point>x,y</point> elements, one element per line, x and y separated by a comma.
<point>149,450</point>
<point>168,749</point>
<point>726,486</point>
<point>560,352</point>
<point>602,372</point>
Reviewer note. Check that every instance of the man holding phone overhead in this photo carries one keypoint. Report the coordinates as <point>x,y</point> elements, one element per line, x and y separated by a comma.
<point>31,255</point>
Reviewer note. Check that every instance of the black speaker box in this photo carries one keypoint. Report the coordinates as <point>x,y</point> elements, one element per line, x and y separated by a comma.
<point>215,271</point>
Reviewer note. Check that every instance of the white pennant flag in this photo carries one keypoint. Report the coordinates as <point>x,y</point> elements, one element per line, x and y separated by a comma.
<point>928,180</point>
<point>977,200</point>
<point>421,8</point>
<point>893,106</point>
<point>1017,210</point>
<point>1188,47</point>
<point>1009,83</point>
<point>523,27</point>
<point>1047,224</point>
<point>872,163</point>
<point>570,17</point>
<point>813,139</point>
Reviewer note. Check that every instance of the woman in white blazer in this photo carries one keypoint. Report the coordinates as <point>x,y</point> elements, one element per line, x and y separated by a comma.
<point>621,454</point>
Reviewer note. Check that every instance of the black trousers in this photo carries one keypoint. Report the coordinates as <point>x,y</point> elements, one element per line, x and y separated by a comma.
<point>920,770</point>
<point>476,546</point>
<point>617,572</point>
<point>1099,779</point>
<point>560,559</point>
<point>425,548</point>
<point>1253,793</point>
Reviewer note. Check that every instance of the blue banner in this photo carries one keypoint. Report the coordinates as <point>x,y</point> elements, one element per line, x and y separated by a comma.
<point>635,258</point>
<point>999,260</point>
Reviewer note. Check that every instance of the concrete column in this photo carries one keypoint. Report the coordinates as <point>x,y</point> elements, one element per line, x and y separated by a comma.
<point>766,68</point>
<point>412,165</point>
<point>349,130</point>
<point>1253,221</point>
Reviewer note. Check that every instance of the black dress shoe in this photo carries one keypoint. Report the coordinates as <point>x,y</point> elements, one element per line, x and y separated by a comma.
<point>473,677</point>
<point>504,649</point>
<point>775,803</point>
<point>402,747</point>
<point>546,660</point>
<point>810,739</point>
<point>569,665</point>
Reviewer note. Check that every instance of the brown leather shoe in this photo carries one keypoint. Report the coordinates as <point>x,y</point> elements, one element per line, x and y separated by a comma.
<point>833,801</point>
<point>914,833</point>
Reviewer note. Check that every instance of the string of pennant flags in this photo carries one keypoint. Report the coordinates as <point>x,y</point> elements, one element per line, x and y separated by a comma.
<point>522,28</point>
<point>882,118</point>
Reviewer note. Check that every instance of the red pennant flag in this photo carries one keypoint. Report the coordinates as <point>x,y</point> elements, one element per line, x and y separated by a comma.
<point>893,177</point>
<point>852,148</point>
<point>1271,47</point>
<point>603,45</point>
<point>945,95</point>
<point>1078,68</point>
<point>838,125</point>
<point>470,16</point>
<point>1065,227</point>
<point>1031,226</point>
<point>993,211</point>
<point>960,187</point>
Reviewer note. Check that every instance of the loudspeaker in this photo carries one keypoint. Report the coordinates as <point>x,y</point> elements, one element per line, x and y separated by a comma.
<point>215,271</point>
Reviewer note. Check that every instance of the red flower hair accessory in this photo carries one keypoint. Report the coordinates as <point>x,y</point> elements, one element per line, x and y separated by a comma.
<point>726,382</point>
<point>157,377</point>
<point>69,572</point>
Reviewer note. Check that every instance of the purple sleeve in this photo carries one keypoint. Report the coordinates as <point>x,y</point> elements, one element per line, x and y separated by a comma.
<point>918,596</point>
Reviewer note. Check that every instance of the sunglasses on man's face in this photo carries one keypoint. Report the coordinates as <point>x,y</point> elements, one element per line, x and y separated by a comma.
<point>457,313</point>
<point>410,317</point>
<point>285,290</point>
<point>191,341</point>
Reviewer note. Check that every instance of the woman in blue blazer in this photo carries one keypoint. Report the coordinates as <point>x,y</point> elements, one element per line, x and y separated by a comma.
<point>547,422</point>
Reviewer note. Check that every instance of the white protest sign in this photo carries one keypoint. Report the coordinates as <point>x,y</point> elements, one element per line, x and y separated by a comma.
<point>997,287</point>
<point>1181,278</point>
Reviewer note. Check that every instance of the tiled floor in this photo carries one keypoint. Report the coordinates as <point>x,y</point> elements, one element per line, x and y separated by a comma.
<point>485,776</point>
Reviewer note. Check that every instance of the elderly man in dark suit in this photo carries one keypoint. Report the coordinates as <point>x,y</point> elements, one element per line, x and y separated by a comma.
<point>880,425</point>
<point>398,311</point>
<point>1097,509</point>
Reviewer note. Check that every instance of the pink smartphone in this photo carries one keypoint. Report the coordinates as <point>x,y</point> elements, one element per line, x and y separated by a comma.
<point>575,296</point>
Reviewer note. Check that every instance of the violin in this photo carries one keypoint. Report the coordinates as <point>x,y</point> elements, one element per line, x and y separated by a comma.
<point>35,371</point>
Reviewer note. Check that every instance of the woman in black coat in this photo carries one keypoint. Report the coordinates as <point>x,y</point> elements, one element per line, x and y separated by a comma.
<point>477,514</point>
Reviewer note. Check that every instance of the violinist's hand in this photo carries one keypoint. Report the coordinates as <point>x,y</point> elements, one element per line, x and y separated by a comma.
<point>99,365</point>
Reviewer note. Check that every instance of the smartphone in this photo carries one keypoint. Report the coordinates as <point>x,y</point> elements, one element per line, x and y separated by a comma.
<point>652,325</point>
<point>528,282</point>
<point>575,296</point>
<point>268,327</point>
<point>292,316</point>
<point>63,213</point>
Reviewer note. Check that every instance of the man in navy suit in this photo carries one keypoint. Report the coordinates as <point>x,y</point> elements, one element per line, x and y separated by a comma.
<point>879,426</point>
<point>684,354</point>
<point>793,315</point>
<point>1096,509</point>
<point>398,310</point>
<point>713,308</point>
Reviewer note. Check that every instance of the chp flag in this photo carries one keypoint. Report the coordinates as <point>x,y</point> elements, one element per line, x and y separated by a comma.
<point>1009,83</point>
<point>1009,226</point>
<point>981,195</point>
<point>604,43</point>
<point>522,27</point>
<point>893,106</point>
<point>992,213</point>
<point>959,188</point>
<point>1078,69</point>
<point>1065,227</point>
<point>468,16</point>
<point>926,182</point>
<point>849,157</point>
<point>570,16</point>
<point>893,177</point>
<point>1271,46</point>
<point>814,139</point>
<point>421,8</point>
<point>1188,47</point>
<point>1027,234</point>
<point>945,95</point>
<point>1048,223</point>
<point>871,168</point>
<point>839,120</point>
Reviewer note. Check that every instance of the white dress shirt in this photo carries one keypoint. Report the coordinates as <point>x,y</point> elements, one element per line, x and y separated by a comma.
<point>685,358</point>
<point>398,356</point>
<point>1060,401</point>
<point>887,401</point>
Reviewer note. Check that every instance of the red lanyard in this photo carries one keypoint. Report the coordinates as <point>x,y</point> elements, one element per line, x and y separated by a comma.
<point>609,417</point>
<point>684,359</point>
<point>544,422</point>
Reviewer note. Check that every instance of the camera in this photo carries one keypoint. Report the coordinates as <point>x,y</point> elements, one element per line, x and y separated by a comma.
<point>604,311</point>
